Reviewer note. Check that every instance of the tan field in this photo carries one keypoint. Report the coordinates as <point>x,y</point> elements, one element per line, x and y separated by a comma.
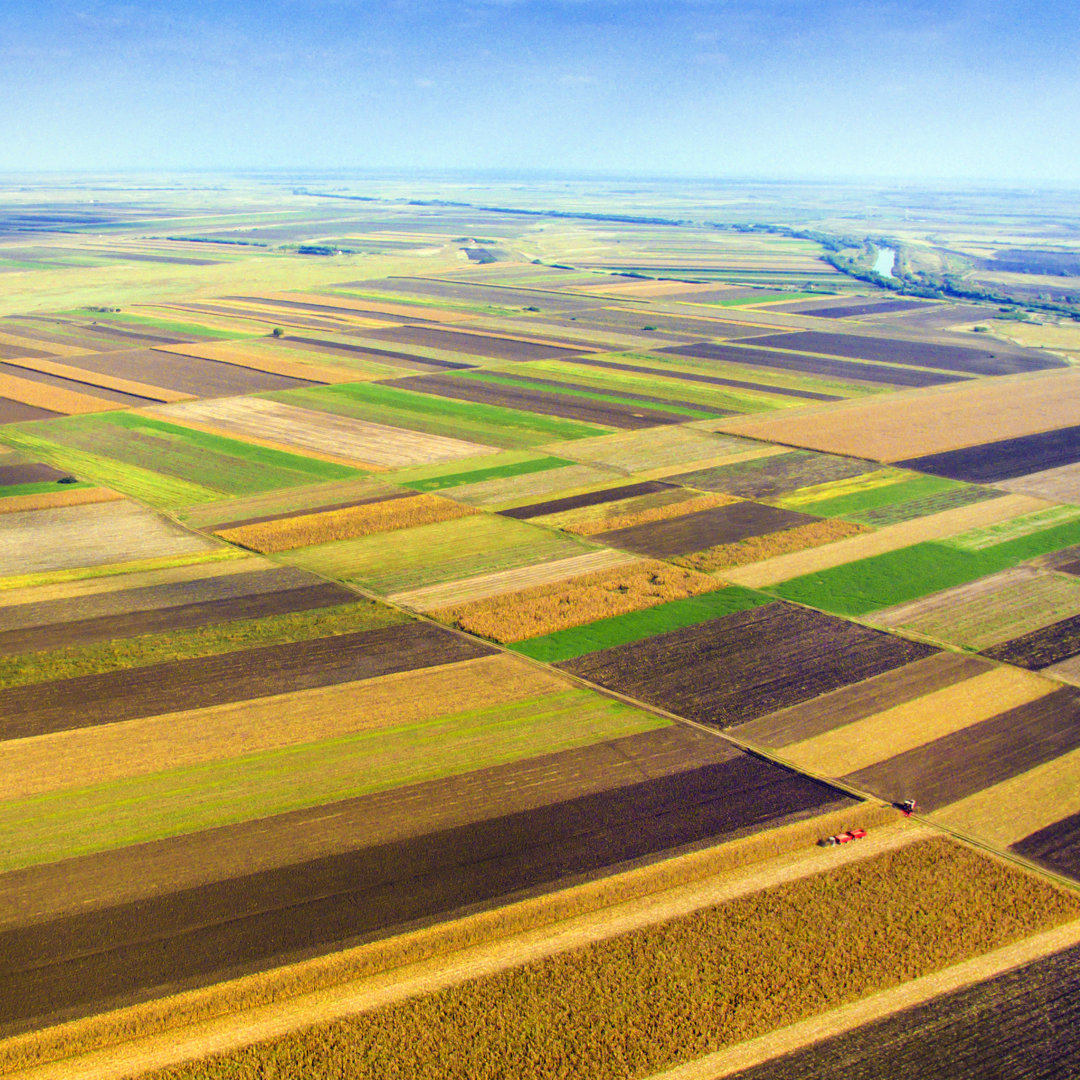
<point>345,524</point>
<point>109,382</point>
<point>262,359</point>
<point>95,755</point>
<point>865,742</point>
<point>55,398</point>
<point>544,609</point>
<point>914,423</point>
<point>598,524</point>
<point>35,345</point>
<point>434,597</point>
<point>932,527</point>
<point>407,311</point>
<point>44,500</point>
<point>771,545</point>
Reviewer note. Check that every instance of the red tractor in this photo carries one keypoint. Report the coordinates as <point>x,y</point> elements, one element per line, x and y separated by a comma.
<point>842,838</point>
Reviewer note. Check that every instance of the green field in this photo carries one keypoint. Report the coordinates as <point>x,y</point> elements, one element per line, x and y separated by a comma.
<point>41,488</point>
<point>851,498</point>
<point>67,823</point>
<point>494,472</point>
<point>635,625</point>
<point>490,424</point>
<point>447,551</point>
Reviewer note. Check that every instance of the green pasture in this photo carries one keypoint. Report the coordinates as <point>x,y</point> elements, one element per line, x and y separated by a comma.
<point>42,487</point>
<point>187,644</point>
<point>445,551</point>
<point>947,499</point>
<point>125,320</point>
<point>635,625</point>
<point>474,422</point>
<point>853,497</point>
<point>494,472</point>
<point>64,824</point>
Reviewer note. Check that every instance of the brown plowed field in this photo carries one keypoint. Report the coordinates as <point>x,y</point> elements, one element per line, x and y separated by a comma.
<point>1059,485</point>
<point>958,765</point>
<point>146,593</point>
<point>852,703</point>
<point>775,475</point>
<point>1041,648</point>
<point>499,348</point>
<point>812,365</point>
<point>14,352</point>
<point>112,627</point>
<point>16,412</point>
<point>567,406</point>
<point>593,498</point>
<point>1056,847</point>
<point>921,424</point>
<point>732,670</point>
<point>265,356</point>
<point>79,387</point>
<point>366,352</point>
<point>98,381</point>
<point>851,310</point>
<point>57,399</point>
<point>236,676</point>
<point>704,529</point>
<point>189,374</point>
<point>33,473</point>
<point>85,963</point>
<point>1005,360</point>
<point>1006,459</point>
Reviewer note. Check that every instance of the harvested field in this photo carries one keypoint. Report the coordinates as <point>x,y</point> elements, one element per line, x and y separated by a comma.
<point>860,700</point>
<point>89,756</point>
<point>519,463</point>
<point>885,540</point>
<point>1056,846</point>
<point>430,554</point>
<point>305,429</point>
<point>811,365</point>
<point>78,390</point>
<point>987,612</point>
<point>501,491</point>
<point>18,412</point>
<point>589,408</point>
<point>774,476</point>
<point>659,995</point>
<point>925,424</point>
<point>943,712</point>
<point>1049,644</point>
<point>236,676</point>
<point>592,498</point>
<point>1019,1025</point>
<point>47,500</point>
<point>181,617</point>
<point>634,451</point>
<point>770,546</point>
<point>1067,671</point>
<point>363,306</point>
<point>854,310</point>
<point>364,354</point>
<point>71,536</point>
<point>986,753</point>
<point>31,473</point>
<point>703,529</point>
<point>99,384</point>
<point>1060,484</point>
<point>672,503</point>
<point>345,524</point>
<point>499,348</point>
<point>635,625</point>
<point>735,669</point>
<point>468,590</point>
<point>1006,459</point>
<point>1002,360</point>
<point>53,399</point>
<point>268,357</point>
<point>545,609</point>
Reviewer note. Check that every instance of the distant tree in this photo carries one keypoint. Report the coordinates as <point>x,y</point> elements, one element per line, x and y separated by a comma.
<point>278,332</point>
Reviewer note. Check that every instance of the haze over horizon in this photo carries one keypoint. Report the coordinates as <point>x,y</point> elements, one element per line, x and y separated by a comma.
<point>978,90</point>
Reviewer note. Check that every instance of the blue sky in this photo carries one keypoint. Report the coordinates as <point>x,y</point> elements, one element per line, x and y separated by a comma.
<point>969,89</point>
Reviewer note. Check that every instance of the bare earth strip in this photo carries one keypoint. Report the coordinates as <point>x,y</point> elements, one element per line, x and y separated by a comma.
<point>87,756</point>
<point>1061,484</point>
<point>45,500</point>
<point>346,999</point>
<point>934,527</point>
<point>1017,807</point>
<point>866,742</point>
<point>914,424</point>
<point>109,382</point>
<point>308,429</point>
<point>827,1025</point>
<point>43,396</point>
<point>431,597</point>
<point>230,352</point>
<point>76,536</point>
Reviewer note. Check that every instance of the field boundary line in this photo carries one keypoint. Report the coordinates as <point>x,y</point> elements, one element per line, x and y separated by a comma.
<point>216,1019</point>
<point>878,1006</point>
<point>105,382</point>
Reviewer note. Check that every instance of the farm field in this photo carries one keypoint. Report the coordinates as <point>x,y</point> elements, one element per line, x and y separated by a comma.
<point>385,565</point>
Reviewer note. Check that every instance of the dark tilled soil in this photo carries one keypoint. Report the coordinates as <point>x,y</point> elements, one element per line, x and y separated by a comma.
<point>992,462</point>
<point>734,669</point>
<point>323,309</point>
<point>997,361</point>
<point>878,307</point>
<point>769,478</point>
<point>236,676</point>
<point>1056,847</point>
<point>593,498</point>
<point>1040,648</point>
<point>958,765</point>
<point>186,616</point>
<point>78,386</point>
<point>34,473</point>
<point>13,352</point>
<point>863,699</point>
<point>703,529</point>
<point>84,963</point>
<point>812,365</point>
<point>15,412</point>
<point>1022,1025</point>
<point>472,344</point>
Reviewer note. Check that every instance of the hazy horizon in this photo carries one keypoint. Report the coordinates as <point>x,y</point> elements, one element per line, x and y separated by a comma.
<point>971,92</point>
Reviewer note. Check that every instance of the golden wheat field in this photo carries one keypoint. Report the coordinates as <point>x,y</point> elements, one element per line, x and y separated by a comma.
<point>771,545</point>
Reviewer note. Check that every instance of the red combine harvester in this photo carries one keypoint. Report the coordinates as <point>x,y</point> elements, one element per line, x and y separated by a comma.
<point>842,838</point>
